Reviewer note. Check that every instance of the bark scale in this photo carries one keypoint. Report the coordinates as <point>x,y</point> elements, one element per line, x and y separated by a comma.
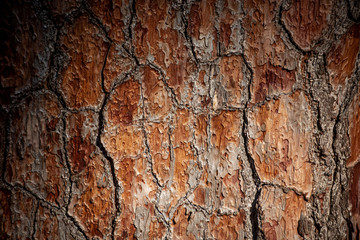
<point>180,119</point>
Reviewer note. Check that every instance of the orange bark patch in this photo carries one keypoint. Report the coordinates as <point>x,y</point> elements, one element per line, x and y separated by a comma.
<point>269,57</point>
<point>113,15</point>
<point>160,150</point>
<point>137,200</point>
<point>92,203</point>
<point>280,213</point>
<point>122,136</point>
<point>157,101</point>
<point>225,141</point>
<point>201,28</point>
<point>280,139</point>
<point>82,130</point>
<point>270,80</point>
<point>156,37</point>
<point>342,56</point>
<point>232,80</point>
<point>81,79</point>
<point>118,64</point>
<point>305,25</point>
<point>123,106</point>
<point>227,226</point>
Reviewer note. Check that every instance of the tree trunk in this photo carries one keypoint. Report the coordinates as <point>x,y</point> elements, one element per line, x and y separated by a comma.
<point>155,119</point>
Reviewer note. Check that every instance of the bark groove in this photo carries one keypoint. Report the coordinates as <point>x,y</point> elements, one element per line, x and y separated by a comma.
<point>209,119</point>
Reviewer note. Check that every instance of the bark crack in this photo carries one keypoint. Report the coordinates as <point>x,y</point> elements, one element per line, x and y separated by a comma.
<point>187,36</point>
<point>102,70</point>
<point>111,163</point>
<point>146,142</point>
<point>198,78</point>
<point>254,212</point>
<point>286,31</point>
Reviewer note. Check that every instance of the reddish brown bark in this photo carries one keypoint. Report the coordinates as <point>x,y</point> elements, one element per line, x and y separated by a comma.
<point>179,119</point>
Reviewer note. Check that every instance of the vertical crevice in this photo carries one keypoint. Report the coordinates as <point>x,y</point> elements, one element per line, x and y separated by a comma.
<point>339,161</point>
<point>172,154</point>
<point>244,131</point>
<point>111,163</point>
<point>102,70</point>
<point>187,36</point>
<point>254,212</point>
<point>146,141</point>
<point>131,51</point>
<point>286,31</point>
<point>255,218</point>
<point>95,19</point>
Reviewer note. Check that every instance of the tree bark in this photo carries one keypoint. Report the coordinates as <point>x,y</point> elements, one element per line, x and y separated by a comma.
<point>210,119</point>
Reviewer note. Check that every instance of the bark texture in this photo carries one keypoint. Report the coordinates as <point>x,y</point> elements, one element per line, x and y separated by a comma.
<point>155,119</point>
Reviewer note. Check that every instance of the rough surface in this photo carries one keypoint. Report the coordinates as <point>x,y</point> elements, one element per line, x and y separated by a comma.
<point>307,26</point>
<point>272,58</point>
<point>85,48</point>
<point>280,213</point>
<point>27,42</point>
<point>342,56</point>
<point>17,207</point>
<point>113,15</point>
<point>142,119</point>
<point>353,162</point>
<point>279,140</point>
<point>92,199</point>
<point>35,157</point>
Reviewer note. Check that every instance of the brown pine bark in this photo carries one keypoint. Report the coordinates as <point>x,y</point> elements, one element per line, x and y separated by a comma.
<point>156,119</point>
